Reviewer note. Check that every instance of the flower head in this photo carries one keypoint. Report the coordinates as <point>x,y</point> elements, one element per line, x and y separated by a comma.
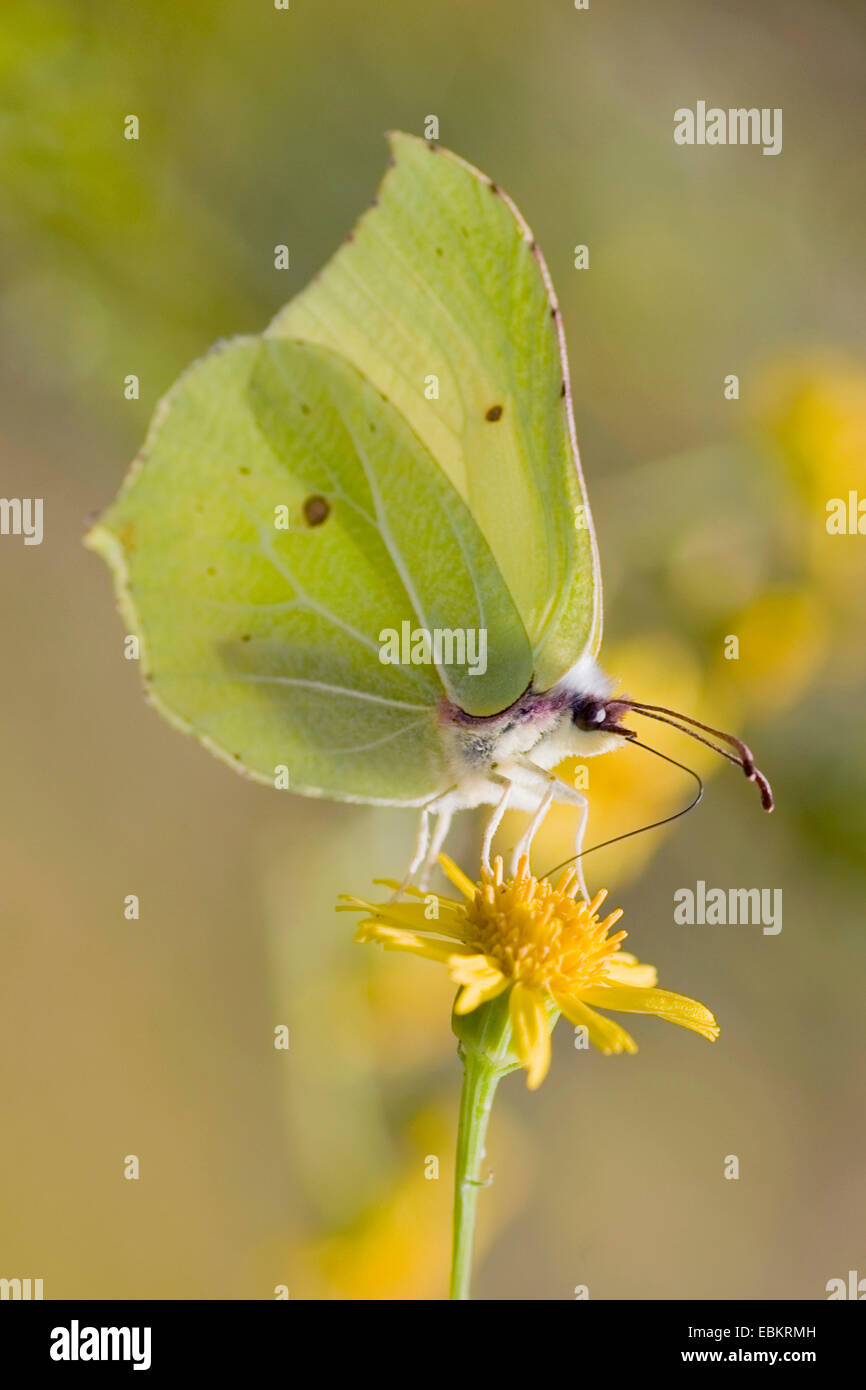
<point>551,951</point>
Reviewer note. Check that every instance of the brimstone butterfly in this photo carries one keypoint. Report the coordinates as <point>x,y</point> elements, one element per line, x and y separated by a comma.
<point>357,550</point>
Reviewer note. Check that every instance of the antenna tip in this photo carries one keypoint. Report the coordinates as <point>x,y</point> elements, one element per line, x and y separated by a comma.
<point>767,799</point>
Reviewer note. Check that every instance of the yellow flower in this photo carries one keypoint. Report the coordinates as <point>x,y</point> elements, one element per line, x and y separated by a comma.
<point>551,951</point>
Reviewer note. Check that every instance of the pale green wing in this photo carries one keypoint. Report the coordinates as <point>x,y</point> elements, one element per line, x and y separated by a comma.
<point>281,516</point>
<point>441,286</point>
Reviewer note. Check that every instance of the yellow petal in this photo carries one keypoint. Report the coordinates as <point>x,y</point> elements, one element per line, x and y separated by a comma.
<point>676,1008</point>
<point>451,921</point>
<point>531,1033</point>
<point>457,876</point>
<point>604,1033</point>
<point>625,969</point>
<point>413,892</point>
<point>398,939</point>
<point>469,998</point>
<point>475,970</point>
<point>481,979</point>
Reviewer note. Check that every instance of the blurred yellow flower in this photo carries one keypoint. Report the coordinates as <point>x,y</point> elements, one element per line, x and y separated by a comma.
<point>783,638</point>
<point>816,413</point>
<point>550,951</point>
<point>398,1245</point>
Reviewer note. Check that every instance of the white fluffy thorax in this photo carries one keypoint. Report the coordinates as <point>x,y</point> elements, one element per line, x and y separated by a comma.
<point>538,726</point>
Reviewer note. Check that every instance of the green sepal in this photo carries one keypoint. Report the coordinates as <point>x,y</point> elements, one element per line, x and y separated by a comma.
<point>486,1033</point>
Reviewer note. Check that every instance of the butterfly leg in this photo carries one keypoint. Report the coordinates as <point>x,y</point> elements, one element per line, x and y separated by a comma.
<point>443,825</point>
<point>495,820</point>
<point>524,844</point>
<point>575,798</point>
<point>583,816</point>
<point>425,853</point>
<point>561,792</point>
<point>422,841</point>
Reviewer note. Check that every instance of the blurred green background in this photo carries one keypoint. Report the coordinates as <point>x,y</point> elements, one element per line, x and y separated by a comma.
<point>155,1038</point>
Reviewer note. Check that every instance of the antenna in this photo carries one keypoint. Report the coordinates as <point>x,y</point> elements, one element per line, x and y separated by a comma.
<point>654,825</point>
<point>742,757</point>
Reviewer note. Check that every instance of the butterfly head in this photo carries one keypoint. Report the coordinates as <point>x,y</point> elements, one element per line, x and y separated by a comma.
<point>593,715</point>
<point>596,713</point>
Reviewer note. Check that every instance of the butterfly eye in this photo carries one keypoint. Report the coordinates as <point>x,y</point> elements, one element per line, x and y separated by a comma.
<point>588,714</point>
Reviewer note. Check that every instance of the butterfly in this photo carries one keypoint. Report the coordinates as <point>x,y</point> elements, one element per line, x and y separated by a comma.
<point>358,550</point>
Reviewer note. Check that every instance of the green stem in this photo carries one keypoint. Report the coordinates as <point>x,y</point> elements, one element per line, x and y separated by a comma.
<point>480,1079</point>
<point>485,1048</point>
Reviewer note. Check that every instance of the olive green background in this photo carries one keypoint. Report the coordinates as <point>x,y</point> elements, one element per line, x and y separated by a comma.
<point>307,1168</point>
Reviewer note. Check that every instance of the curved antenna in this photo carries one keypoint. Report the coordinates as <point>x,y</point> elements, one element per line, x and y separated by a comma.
<point>654,825</point>
<point>744,756</point>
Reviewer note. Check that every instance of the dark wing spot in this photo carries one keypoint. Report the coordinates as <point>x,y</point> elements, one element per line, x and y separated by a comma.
<point>246,637</point>
<point>494,413</point>
<point>316,510</point>
<point>242,468</point>
<point>305,409</point>
<point>438,250</point>
<point>211,570</point>
<point>562,389</point>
